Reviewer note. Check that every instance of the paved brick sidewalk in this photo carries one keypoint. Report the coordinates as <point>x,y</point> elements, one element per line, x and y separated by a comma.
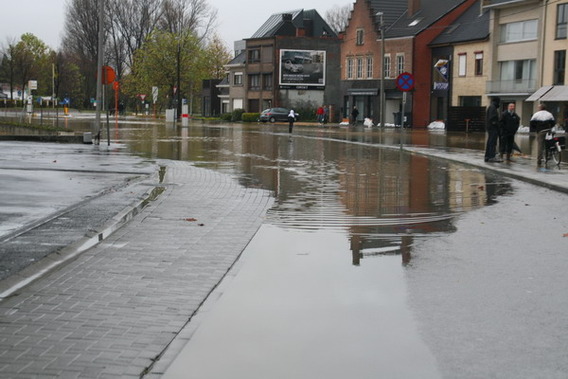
<point>114,310</point>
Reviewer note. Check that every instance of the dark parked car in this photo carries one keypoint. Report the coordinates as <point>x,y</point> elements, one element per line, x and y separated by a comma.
<point>275,114</point>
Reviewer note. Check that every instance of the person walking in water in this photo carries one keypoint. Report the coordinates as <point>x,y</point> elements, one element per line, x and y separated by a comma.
<point>291,120</point>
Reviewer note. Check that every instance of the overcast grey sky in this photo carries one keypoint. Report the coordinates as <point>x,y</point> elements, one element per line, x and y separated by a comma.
<point>236,19</point>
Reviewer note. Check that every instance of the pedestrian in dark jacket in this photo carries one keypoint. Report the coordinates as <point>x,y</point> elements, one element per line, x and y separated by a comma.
<point>492,127</point>
<point>510,122</point>
<point>354,115</point>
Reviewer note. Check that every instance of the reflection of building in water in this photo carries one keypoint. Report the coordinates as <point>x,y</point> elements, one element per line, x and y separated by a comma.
<point>407,194</point>
<point>467,188</point>
<point>384,199</point>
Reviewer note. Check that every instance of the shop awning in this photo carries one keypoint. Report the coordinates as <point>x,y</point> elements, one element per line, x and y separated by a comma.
<point>550,93</point>
<point>557,93</point>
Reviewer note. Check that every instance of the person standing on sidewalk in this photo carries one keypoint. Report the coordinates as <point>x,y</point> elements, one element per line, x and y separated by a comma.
<point>510,122</point>
<point>291,120</point>
<point>492,127</point>
<point>354,115</point>
<point>319,114</point>
<point>542,121</point>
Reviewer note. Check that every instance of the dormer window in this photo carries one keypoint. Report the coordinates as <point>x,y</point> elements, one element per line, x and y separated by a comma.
<point>360,37</point>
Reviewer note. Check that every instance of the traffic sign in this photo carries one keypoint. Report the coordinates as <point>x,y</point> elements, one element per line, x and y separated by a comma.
<point>405,82</point>
<point>108,75</point>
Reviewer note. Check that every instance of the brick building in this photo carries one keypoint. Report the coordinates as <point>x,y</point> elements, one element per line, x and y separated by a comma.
<point>289,62</point>
<point>409,27</point>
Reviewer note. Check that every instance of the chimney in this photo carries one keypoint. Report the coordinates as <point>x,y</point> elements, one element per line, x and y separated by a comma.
<point>287,17</point>
<point>413,7</point>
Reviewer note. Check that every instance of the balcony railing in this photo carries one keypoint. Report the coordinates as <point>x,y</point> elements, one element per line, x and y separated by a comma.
<point>511,86</point>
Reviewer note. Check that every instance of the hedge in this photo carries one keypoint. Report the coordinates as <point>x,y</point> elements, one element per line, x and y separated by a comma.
<point>250,117</point>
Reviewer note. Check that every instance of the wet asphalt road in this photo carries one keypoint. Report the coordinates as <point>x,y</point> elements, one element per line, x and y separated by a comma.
<point>374,262</point>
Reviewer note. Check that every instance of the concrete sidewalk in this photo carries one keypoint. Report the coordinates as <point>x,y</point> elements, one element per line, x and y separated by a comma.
<point>114,310</point>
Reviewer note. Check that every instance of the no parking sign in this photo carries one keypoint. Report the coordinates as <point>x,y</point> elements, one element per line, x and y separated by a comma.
<point>405,82</point>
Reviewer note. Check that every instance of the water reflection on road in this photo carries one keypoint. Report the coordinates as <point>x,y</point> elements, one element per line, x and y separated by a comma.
<point>335,179</point>
<point>321,291</point>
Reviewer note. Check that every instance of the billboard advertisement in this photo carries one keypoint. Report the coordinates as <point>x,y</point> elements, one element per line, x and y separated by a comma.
<point>302,69</point>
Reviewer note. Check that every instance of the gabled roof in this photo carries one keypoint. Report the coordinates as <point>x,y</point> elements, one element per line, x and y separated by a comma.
<point>276,25</point>
<point>238,60</point>
<point>470,26</point>
<point>223,83</point>
<point>397,21</point>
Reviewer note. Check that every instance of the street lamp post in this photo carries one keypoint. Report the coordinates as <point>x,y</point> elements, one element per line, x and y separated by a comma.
<point>382,88</point>
<point>97,127</point>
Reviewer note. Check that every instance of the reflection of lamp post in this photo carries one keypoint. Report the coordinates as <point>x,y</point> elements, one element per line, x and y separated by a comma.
<point>382,89</point>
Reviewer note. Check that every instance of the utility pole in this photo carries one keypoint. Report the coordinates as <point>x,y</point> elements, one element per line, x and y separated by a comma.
<point>382,89</point>
<point>97,127</point>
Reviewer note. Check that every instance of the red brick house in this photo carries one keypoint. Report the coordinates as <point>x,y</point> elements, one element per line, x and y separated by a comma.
<point>410,26</point>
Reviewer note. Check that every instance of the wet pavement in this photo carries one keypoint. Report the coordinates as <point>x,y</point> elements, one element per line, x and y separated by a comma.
<point>369,261</point>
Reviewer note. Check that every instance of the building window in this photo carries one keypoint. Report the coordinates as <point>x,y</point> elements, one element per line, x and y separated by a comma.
<point>470,101</point>
<point>519,31</point>
<point>479,63</point>
<point>360,37</point>
<point>399,64</point>
<point>559,67</point>
<point>254,81</point>
<point>369,67</point>
<point>359,68</point>
<point>349,72</point>
<point>462,64</point>
<point>238,79</point>
<point>387,66</point>
<point>254,55</point>
<point>267,81</point>
<point>562,21</point>
<point>518,71</point>
<point>237,104</point>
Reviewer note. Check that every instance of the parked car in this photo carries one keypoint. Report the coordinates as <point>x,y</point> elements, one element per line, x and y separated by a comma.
<point>275,114</point>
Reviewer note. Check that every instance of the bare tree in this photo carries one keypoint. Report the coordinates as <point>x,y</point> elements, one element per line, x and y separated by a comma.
<point>80,41</point>
<point>131,22</point>
<point>182,16</point>
<point>338,17</point>
<point>8,65</point>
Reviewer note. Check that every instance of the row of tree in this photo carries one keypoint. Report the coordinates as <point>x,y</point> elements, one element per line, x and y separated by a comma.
<point>165,43</point>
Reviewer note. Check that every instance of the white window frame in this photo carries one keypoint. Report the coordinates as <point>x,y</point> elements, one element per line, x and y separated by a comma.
<point>349,68</point>
<point>387,66</point>
<point>400,63</point>
<point>369,67</point>
<point>520,31</point>
<point>240,76</point>
<point>462,64</point>
<point>360,38</point>
<point>359,67</point>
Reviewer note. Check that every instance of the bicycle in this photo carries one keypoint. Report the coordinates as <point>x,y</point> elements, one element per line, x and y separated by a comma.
<point>553,146</point>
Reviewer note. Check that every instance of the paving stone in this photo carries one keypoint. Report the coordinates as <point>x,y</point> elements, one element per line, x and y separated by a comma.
<point>116,307</point>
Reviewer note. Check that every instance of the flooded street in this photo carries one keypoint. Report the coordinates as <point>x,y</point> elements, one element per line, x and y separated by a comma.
<point>374,262</point>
